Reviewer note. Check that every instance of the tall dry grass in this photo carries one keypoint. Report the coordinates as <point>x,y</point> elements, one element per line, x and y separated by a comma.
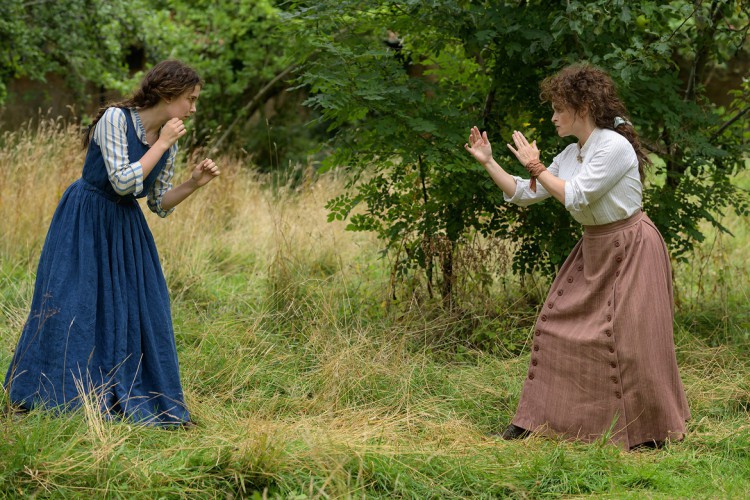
<point>38,163</point>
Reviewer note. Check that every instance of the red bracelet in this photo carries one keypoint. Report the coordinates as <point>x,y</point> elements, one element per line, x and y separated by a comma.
<point>535,168</point>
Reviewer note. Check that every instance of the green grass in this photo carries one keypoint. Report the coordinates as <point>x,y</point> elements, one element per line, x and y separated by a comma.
<point>305,385</point>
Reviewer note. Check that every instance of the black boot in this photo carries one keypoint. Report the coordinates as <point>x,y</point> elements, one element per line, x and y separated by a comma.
<point>648,445</point>
<point>515,432</point>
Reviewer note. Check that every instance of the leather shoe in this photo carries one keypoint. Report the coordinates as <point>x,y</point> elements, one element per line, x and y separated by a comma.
<point>648,445</point>
<point>515,432</point>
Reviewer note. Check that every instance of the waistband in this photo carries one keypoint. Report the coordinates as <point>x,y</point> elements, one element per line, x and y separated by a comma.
<point>120,200</point>
<point>614,226</point>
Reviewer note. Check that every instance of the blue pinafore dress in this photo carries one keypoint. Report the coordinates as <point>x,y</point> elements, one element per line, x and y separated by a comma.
<point>100,326</point>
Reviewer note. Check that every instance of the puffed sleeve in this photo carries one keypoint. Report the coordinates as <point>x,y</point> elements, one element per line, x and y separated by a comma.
<point>524,196</point>
<point>111,134</point>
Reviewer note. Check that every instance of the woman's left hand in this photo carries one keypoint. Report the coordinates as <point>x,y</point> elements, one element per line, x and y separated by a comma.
<point>525,152</point>
<point>205,172</point>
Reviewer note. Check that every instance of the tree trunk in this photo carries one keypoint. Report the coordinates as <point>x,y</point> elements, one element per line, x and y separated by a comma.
<point>446,288</point>
<point>706,27</point>
<point>427,238</point>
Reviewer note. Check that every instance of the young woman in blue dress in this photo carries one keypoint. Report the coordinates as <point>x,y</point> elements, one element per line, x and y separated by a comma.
<point>100,324</point>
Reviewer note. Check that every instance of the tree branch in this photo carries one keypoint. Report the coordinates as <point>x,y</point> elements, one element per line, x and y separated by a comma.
<point>654,148</point>
<point>249,106</point>
<point>705,36</point>
<point>487,112</point>
<point>684,20</point>
<point>37,2</point>
<point>729,123</point>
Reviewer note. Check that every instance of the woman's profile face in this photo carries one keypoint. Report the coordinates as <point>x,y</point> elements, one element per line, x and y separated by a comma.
<point>183,106</point>
<point>564,119</point>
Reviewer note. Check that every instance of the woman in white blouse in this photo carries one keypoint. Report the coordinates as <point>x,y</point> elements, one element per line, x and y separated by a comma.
<point>603,360</point>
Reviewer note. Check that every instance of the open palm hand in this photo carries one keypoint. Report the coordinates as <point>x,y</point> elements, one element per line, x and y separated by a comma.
<point>479,146</point>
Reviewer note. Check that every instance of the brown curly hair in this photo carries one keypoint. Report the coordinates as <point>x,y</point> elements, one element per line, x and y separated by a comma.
<point>585,87</point>
<point>166,80</point>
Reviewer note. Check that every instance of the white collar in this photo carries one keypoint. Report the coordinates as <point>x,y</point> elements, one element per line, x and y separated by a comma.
<point>587,146</point>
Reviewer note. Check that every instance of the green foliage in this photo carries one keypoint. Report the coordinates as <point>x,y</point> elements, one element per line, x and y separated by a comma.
<point>402,142</point>
<point>98,45</point>
<point>85,41</point>
<point>238,49</point>
<point>400,83</point>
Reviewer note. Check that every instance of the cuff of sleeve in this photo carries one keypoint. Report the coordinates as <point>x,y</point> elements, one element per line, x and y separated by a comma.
<point>156,208</point>
<point>135,184</point>
<point>520,186</point>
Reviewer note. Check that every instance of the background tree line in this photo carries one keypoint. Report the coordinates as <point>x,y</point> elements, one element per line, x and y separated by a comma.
<point>387,90</point>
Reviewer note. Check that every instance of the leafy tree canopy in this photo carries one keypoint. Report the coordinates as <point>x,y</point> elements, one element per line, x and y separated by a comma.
<point>236,45</point>
<point>86,41</point>
<point>401,82</point>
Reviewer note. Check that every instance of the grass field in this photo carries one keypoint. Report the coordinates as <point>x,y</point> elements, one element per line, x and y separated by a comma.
<point>306,382</point>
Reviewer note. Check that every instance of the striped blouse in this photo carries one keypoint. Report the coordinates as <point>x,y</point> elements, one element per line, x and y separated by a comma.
<point>605,187</point>
<point>110,134</point>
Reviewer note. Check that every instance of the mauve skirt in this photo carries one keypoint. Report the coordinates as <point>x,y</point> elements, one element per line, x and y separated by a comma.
<point>603,360</point>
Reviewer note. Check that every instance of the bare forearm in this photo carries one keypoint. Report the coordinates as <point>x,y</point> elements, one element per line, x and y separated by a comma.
<point>503,179</point>
<point>177,195</point>
<point>554,185</point>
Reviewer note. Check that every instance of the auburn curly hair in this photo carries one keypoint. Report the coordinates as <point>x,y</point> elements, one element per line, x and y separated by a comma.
<point>166,80</point>
<point>583,87</point>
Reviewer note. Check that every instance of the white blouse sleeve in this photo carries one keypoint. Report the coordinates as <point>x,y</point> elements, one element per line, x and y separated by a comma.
<point>111,134</point>
<point>524,196</point>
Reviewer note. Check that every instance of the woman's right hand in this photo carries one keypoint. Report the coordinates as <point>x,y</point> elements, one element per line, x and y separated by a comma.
<point>479,146</point>
<point>171,131</point>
